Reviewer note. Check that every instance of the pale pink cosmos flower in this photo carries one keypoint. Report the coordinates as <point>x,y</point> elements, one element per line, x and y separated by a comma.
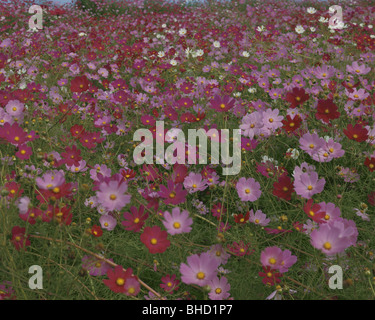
<point>177,222</point>
<point>194,182</point>
<point>219,289</point>
<point>248,189</point>
<point>308,185</point>
<point>334,237</point>
<point>200,269</point>
<point>259,218</point>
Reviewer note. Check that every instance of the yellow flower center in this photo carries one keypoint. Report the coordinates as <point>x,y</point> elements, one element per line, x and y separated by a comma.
<point>201,275</point>
<point>218,290</point>
<point>113,197</point>
<point>177,225</point>
<point>327,246</point>
<point>309,188</point>
<point>120,281</point>
<point>272,261</point>
<point>247,191</point>
<point>154,241</point>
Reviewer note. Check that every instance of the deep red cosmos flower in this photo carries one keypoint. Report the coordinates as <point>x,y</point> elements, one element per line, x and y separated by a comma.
<point>71,156</point>
<point>296,97</point>
<point>77,131</point>
<point>283,188</point>
<point>241,219</point>
<point>357,133</point>
<point>96,231</point>
<point>65,190</point>
<point>313,211</point>
<point>118,278</point>
<point>60,215</point>
<point>270,276</point>
<point>326,110</point>
<point>222,104</point>
<point>19,239</point>
<point>155,239</point>
<point>14,189</point>
<point>291,124</point>
<point>370,163</point>
<point>135,220</point>
<point>371,198</point>
<point>79,84</point>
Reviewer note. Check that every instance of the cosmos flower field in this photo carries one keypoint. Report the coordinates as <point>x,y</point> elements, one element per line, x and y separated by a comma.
<point>102,226</point>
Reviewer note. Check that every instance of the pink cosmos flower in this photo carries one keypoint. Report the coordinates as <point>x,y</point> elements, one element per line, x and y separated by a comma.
<point>311,143</point>
<point>308,185</point>
<point>219,253</point>
<point>50,180</point>
<point>251,124</point>
<point>107,222</point>
<point>334,237</point>
<point>287,261</point>
<point>199,270</point>
<point>259,218</point>
<point>248,189</point>
<point>194,182</point>
<point>111,195</point>
<point>355,68</point>
<point>331,211</point>
<point>272,120</point>
<point>14,108</point>
<point>219,289</point>
<point>272,257</point>
<point>177,222</point>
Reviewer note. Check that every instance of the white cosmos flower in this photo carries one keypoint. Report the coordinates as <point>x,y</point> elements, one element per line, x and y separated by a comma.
<point>173,62</point>
<point>161,54</point>
<point>199,52</point>
<point>260,29</point>
<point>182,32</point>
<point>216,44</point>
<point>311,10</point>
<point>299,29</point>
<point>252,90</point>
<point>370,26</point>
<point>312,29</point>
<point>246,54</point>
<point>322,19</point>
<point>81,34</point>
<point>188,51</point>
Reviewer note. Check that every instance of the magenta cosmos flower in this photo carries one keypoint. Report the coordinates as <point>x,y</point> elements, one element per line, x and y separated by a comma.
<point>199,270</point>
<point>172,194</point>
<point>111,195</point>
<point>248,189</point>
<point>309,184</point>
<point>177,222</point>
<point>222,104</point>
